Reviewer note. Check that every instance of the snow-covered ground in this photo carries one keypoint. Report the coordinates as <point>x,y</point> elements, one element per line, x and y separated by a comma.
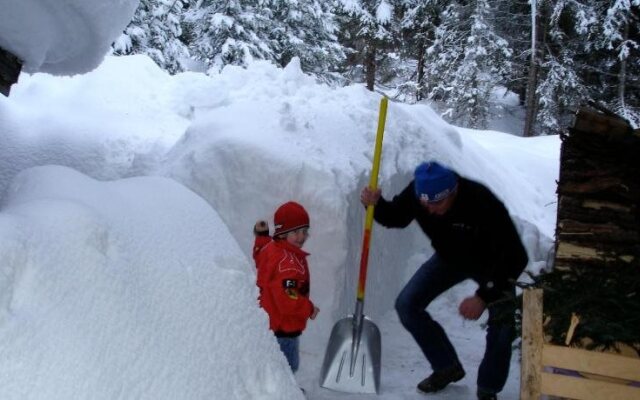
<point>126,273</point>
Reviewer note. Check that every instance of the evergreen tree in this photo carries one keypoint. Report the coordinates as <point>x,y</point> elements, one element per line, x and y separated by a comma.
<point>466,61</point>
<point>155,30</point>
<point>512,21</point>
<point>591,54</point>
<point>618,36</point>
<point>366,34</point>
<point>561,87</point>
<point>418,22</point>
<point>560,91</point>
<point>306,29</point>
<point>222,32</point>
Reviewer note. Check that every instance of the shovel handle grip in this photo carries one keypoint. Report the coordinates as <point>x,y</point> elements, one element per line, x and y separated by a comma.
<point>373,184</point>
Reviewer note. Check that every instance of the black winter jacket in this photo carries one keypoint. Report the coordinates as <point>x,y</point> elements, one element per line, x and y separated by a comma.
<point>476,235</point>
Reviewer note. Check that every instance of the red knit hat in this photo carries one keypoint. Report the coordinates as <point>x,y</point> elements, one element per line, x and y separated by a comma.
<point>289,217</point>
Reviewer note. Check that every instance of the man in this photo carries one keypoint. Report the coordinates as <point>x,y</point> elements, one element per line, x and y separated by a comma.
<point>474,238</point>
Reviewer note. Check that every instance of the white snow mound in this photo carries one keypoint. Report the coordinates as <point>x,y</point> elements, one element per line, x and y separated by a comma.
<point>132,287</point>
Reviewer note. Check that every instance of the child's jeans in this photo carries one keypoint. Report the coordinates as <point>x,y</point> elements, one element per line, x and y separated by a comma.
<point>289,346</point>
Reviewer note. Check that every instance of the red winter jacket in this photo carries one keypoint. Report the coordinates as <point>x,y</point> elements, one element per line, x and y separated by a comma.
<point>283,279</point>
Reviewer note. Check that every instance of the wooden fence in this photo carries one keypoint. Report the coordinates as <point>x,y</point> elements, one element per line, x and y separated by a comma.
<point>559,371</point>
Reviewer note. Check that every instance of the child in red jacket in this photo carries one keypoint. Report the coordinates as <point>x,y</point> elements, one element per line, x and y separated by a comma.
<point>283,276</point>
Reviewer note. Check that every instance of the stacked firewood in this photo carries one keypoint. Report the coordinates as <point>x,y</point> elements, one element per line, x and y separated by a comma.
<point>599,193</point>
<point>593,293</point>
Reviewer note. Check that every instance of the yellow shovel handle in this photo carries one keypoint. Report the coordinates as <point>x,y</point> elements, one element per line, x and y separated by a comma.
<point>373,184</point>
<point>377,152</point>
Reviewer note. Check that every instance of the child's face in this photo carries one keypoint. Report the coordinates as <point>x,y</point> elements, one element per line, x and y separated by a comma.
<point>298,237</point>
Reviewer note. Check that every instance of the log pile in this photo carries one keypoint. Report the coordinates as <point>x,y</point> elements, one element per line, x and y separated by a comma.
<point>598,220</point>
<point>592,295</point>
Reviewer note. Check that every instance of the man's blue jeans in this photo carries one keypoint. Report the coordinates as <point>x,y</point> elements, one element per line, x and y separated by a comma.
<point>432,279</point>
<point>289,346</point>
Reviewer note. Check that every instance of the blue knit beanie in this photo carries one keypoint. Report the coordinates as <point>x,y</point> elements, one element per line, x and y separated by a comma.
<point>434,182</point>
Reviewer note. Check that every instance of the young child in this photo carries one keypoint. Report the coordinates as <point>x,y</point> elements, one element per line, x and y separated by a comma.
<point>283,276</point>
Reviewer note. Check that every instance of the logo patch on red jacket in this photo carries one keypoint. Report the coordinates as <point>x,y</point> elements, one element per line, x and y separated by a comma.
<point>289,283</point>
<point>290,262</point>
<point>290,288</point>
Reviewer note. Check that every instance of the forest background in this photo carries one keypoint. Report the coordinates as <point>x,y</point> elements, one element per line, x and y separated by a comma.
<point>458,55</point>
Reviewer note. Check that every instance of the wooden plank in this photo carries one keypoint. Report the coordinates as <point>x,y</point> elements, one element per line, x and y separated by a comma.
<point>568,250</point>
<point>594,362</point>
<point>600,204</point>
<point>586,389</point>
<point>601,232</point>
<point>594,185</point>
<point>532,341</point>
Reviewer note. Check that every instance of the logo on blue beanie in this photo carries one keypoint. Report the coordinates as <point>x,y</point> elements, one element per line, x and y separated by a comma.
<point>434,182</point>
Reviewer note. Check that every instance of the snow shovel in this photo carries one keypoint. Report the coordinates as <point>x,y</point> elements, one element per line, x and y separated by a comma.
<point>352,360</point>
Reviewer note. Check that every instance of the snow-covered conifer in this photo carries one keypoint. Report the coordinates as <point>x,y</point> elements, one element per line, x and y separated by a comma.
<point>223,32</point>
<point>465,62</point>
<point>366,31</point>
<point>305,29</point>
<point>155,30</point>
<point>418,22</point>
<point>619,36</point>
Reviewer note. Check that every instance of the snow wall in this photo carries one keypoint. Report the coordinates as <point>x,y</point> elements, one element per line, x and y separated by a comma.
<point>264,142</point>
<point>248,140</point>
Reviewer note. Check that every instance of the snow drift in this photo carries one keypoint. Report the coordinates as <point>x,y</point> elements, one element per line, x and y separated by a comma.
<point>127,289</point>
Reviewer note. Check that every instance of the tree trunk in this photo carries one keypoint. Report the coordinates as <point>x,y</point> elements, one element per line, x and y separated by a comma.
<point>420,82</point>
<point>10,67</point>
<point>532,81</point>
<point>622,75</point>
<point>531,99</point>
<point>370,65</point>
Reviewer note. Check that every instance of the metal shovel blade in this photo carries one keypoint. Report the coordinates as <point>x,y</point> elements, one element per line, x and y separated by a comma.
<point>340,370</point>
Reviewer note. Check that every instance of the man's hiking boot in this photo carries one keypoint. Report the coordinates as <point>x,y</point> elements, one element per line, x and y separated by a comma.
<point>487,396</point>
<point>440,379</point>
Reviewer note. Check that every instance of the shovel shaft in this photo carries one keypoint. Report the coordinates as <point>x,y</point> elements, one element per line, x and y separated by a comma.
<point>373,184</point>
<point>352,361</point>
<point>364,259</point>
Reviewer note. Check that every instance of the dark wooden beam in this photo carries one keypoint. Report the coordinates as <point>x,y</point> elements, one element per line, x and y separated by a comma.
<point>10,67</point>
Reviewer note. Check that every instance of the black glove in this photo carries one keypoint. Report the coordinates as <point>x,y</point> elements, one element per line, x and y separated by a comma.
<point>261,228</point>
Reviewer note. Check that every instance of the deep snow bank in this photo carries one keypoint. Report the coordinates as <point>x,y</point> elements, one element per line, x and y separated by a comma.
<point>127,289</point>
<point>270,135</point>
<point>114,122</point>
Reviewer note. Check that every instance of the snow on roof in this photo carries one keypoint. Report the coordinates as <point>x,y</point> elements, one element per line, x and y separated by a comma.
<point>62,37</point>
